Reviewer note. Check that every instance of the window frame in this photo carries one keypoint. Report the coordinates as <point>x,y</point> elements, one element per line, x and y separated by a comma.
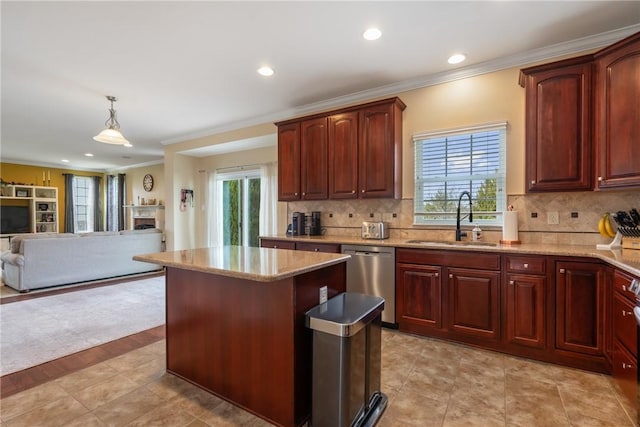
<point>89,206</point>
<point>447,217</point>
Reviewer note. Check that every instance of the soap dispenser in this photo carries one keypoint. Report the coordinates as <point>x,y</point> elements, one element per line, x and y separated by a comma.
<point>476,233</point>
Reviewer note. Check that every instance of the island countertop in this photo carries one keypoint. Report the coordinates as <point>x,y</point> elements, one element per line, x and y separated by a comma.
<point>259,264</point>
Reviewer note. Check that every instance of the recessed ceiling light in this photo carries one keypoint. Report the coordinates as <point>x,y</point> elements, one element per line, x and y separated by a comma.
<point>64,161</point>
<point>372,34</point>
<point>456,58</point>
<point>266,71</point>
<point>88,154</point>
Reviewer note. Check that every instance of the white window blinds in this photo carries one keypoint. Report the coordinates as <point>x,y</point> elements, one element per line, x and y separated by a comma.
<point>452,161</point>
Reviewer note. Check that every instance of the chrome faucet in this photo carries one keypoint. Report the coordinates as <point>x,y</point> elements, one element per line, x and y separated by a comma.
<point>459,233</point>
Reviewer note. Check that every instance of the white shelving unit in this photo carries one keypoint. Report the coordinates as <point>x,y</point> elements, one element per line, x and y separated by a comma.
<point>42,204</point>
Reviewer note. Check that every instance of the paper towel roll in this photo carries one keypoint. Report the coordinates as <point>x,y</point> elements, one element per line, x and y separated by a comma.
<point>510,226</point>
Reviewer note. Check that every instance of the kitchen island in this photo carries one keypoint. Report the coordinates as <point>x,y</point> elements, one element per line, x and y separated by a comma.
<point>236,323</point>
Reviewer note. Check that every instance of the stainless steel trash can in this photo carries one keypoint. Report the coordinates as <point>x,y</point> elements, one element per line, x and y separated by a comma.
<point>346,361</point>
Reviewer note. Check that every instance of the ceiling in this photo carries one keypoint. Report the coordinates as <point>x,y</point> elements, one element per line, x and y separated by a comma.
<point>188,69</point>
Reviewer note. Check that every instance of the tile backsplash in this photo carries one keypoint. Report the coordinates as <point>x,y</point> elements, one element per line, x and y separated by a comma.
<point>578,214</point>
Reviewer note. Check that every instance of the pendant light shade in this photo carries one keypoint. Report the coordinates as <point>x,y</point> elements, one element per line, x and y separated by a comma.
<point>112,134</point>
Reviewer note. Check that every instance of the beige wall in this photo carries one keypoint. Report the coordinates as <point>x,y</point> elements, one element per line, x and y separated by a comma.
<point>482,99</point>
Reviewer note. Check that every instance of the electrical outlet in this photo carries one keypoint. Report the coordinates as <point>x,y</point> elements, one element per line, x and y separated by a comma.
<point>323,294</point>
<point>553,218</point>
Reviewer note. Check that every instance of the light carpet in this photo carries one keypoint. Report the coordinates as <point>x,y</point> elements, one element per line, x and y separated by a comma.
<point>43,329</point>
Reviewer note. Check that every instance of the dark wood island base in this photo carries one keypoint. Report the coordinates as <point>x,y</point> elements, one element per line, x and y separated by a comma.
<point>245,340</point>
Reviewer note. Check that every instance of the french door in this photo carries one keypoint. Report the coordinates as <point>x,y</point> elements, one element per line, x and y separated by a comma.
<point>239,198</point>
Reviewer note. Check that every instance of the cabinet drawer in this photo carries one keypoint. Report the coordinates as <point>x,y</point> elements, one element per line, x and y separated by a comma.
<point>318,247</point>
<point>277,244</point>
<point>625,371</point>
<point>621,283</point>
<point>484,261</point>
<point>624,324</point>
<point>526,264</point>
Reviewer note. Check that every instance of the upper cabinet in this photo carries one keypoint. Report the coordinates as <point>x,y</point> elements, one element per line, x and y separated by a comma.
<point>350,153</point>
<point>583,121</point>
<point>618,114</point>
<point>559,125</point>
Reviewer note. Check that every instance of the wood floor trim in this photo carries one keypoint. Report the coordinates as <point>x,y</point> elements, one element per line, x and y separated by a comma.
<point>16,382</point>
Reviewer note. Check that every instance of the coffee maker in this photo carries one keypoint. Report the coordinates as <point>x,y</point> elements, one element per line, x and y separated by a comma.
<point>298,224</point>
<point>315,228</point>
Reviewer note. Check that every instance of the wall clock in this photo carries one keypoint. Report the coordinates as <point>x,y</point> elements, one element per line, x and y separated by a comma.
<point>147,182</point>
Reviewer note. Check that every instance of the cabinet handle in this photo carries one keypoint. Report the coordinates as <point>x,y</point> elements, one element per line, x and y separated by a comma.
<point>562,270</point>
<point>362,191</point>
<point>304,194</point>
<point>600,179</point>
<point>295,194</point>
<point>315,249</point>
<point>627,365</point>
<point>526,265</point>
<point>353,191</point>
<point>511,282</point>
<point>275,246</point>
<point>626,313</point>
<point>437,275</point>
<point>533,181</point>
<point>451,276</point>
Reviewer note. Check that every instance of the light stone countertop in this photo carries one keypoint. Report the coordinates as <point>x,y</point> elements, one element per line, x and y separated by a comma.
<point>627,260</point>
<point>258,264</point>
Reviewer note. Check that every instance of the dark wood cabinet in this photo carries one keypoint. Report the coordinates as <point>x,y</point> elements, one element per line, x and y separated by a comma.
<point>343,156</point>
<point>581,301</point>
<point>525,293</point>
<point>380,150</point>
<point>559,125</point>
<point>419,295</point>
<point>449,294</point>
<point>618,114</point>
<point>313,159</point>
<point>277,244</point>
<point>625,337</point>
<point>474,302</point>
<point>354,152</point>
<point>289,162</point>
<point>318,247</point>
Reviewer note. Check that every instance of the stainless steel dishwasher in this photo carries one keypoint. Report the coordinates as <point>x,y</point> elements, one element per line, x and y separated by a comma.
<point>371,271</point>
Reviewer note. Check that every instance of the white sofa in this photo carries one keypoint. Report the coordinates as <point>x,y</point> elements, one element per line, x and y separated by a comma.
<point>49,259</point>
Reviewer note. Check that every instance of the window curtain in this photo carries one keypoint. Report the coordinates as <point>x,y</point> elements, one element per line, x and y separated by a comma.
<point>214,211</point>
<point>122,196</point>
<point>68,203</point>
<point>98,223</point>
<point>112,213</point>
<point>269,198</point>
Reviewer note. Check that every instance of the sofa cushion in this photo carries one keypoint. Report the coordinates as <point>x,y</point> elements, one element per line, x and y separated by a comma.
<point>16,241</point>
<point>11,258</point>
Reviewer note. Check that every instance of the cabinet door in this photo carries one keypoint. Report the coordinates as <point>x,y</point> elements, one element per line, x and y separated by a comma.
<point>580,307</point>
<point>624,323</point>
<point>473,302</point>
<point>558,128</point>
<point>380,151</point>
<point>525,310</point>
<point>419,295</point>
<point>314,153</point>
<point>343,156</point>
<point>618,114</point>
<point>625,372</point>
<point>289,162</point>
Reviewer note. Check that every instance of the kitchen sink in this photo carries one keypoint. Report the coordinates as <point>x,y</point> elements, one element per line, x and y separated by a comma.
<point>452,243</point>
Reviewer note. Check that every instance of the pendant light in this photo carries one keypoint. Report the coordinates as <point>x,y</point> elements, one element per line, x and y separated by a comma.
<point>112,134</point>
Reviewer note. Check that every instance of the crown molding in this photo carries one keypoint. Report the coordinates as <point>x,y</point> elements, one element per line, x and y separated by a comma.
<point>517,60</point>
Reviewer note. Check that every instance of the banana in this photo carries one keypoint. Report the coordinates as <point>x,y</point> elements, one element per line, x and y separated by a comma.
<point>601,228</point>
<point>607,225</point>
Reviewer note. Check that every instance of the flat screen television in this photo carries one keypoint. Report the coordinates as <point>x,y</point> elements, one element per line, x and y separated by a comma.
<point>14,219</point>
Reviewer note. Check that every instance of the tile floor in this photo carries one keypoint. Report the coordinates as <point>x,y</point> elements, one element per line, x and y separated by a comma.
<point>429,383</point>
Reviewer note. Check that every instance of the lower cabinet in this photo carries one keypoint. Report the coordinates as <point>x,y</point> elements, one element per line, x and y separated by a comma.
<point>301,246</point>
<point>554,309</point>
<point>625,338</point>
<point>581,301</point>
<point>474,308</point>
